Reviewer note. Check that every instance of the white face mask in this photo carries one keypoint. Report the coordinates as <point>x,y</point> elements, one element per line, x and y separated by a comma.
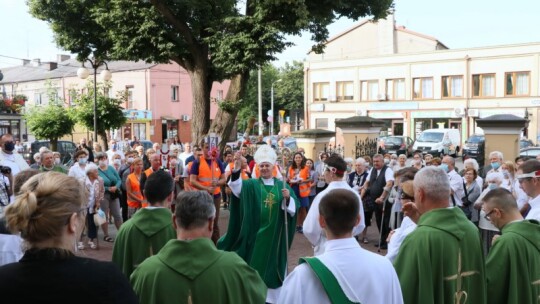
<point>57,161</point>
<point>130,160</point>
<point>117,161</point>
<point>102,163</point>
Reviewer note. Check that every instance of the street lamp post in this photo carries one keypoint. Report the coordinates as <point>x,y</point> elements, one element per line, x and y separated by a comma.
<point>272,106</point>
<point>105,75</point>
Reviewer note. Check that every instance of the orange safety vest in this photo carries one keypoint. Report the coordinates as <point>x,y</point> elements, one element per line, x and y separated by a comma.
<point>148,172</point>
<point>258,172</point>
<point>205,174</point>
<point>136,191</point>
<point>244,173</point>
<point>187,183</point>
<point>305,188</point>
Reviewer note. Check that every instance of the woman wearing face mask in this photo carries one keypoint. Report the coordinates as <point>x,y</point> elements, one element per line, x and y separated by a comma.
<point>78,168</point>
<point>111,181</point>
<point>117,162</point>
<point>508,171</point>
<point>487,229</point>
<point>49,213</point>
<point>298,178</point>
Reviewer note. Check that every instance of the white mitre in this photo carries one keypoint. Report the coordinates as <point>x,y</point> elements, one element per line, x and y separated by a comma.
<point>265,154</point>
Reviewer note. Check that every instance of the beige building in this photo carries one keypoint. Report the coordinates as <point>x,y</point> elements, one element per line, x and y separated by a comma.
<point>414,82</point>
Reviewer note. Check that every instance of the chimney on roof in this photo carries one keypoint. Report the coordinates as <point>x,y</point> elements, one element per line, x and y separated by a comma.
<point>51,65</point>
<point>25,62</point>
<point>385,35</point>
<point>36,62</point>
<point>62,58</point>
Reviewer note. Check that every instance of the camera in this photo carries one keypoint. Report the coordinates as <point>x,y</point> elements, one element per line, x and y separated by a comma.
<point>5,170</point>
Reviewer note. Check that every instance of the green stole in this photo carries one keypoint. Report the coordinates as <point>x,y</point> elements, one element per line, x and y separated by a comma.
<point>331,285</point>
<point>256,230</point>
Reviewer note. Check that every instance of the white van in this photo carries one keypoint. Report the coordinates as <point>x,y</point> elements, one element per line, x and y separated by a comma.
<point>438,142</point>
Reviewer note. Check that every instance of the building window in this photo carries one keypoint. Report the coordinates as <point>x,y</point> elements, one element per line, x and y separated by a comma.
<point>483,85</point>
<point>39,98</point>
<point>321,123</point>
<point>517,83</point>
<point>129,96</point>
<point>452,86</point>
<point>395,89</point>
<point>344,90</point>
<point>320,91</point>
<point>423,88</point>
<point>369,90</point>
<point>219,96</point>
<point>174,93</point>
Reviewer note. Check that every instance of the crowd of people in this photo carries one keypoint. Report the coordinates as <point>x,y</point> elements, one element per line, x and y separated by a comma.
<point>446,234</point>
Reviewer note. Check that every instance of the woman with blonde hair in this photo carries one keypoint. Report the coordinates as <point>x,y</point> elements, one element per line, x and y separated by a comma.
<point>49,212</point>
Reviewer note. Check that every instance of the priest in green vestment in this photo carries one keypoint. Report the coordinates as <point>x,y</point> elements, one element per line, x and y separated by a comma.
<point>190,269</point>
<point>258,228</point>
<point>150,228</point>
<point>442,260</point>
<point>513,263</point>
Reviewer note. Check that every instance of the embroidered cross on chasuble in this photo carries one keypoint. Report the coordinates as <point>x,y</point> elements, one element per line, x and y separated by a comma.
<point>270,197</point>
<point>460,294</point>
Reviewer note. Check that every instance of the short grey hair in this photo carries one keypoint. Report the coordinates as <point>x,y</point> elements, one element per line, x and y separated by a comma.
<point>404,156</point>
<point>348,160</point>
<point>99,155</point>
<point>495,177</point>
<point>472,162</point>
<point>451,159</point>
<point>497,154</point>
<point>360,160</point>
<point>434,182</point>
<point>45,152</point>
<point>194,209</point>
<point>37,156</point>
<point>90,167</point>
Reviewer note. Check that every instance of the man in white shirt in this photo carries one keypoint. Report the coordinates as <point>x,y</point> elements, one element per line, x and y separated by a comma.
<point>456,181</point>
<point>362,276</point>
<point>186,153</point>
<point>113,149</point>
<point>9,158</point>
<point>333,174</point>
<point>528,176</point>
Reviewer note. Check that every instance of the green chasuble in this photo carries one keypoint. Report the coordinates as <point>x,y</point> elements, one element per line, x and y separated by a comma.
<point>142,236</point>
<point>257,229</point>
<point>513,264</point>
<point>441,261</point>
<point>196,272</point>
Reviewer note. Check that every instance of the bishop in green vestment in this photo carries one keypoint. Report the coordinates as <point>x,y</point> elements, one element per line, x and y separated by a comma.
<point>442,260</point>
<point>513,263</point>
<point>149,229</point>
<point>190,269</point>
<point>257,220</point>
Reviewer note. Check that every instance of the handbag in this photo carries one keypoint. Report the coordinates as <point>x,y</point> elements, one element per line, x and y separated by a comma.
<point>99,218</point>
<point>466,203</point>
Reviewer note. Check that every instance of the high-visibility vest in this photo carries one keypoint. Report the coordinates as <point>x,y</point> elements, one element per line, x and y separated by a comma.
<point>205,174</point>
<point>136,191</point>
<point>305,188</point>
<point>244,174</point>
<point>187,183</point>
<point>148,171</point>
<point>258,171</point>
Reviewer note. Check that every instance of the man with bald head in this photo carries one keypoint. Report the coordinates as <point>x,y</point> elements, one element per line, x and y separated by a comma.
<point>155,163</point>
<point>513,263</point>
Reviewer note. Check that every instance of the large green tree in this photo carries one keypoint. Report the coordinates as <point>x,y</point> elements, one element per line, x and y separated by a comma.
<point>109,110</point>
<point>211,39</point>
<point>51,121</point>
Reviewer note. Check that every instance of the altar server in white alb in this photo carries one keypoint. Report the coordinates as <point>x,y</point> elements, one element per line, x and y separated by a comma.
<point>345,272</point>
<point>333,175</point>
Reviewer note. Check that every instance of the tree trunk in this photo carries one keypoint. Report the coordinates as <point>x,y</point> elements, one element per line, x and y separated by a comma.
<point>105,146</point>
<point>200,122</point>
<point>53,143</point>
<point>224,121</point>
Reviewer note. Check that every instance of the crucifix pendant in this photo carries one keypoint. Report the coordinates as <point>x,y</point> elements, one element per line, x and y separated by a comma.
<point>269,201</point>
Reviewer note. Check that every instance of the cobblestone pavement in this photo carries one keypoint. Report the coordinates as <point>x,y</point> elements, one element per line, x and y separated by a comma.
<point>300,247</point>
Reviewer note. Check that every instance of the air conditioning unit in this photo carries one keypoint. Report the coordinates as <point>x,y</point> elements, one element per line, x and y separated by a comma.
<point>459,112</point>
<point>381,97</point>
<point>185,117</point>
<point>361,112</point>
<point>473,112</point>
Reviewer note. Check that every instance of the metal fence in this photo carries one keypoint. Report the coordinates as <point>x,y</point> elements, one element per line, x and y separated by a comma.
<point>364,147</point>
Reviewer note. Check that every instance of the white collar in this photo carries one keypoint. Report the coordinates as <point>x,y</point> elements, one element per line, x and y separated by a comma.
<point>340,244</point>
<point>268,181</point>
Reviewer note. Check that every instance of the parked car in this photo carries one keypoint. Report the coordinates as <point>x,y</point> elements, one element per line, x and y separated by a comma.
<point>66,149</point>
<point>475,148</point>
<point>398,145</point>
<point>530,152</point>
<point>438,142</point>
<point>146,144</point>
<point>525,143</point>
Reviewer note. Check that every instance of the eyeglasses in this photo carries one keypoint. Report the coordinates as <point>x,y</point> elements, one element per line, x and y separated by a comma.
<point>404,196</point>
<point>487,216</point>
